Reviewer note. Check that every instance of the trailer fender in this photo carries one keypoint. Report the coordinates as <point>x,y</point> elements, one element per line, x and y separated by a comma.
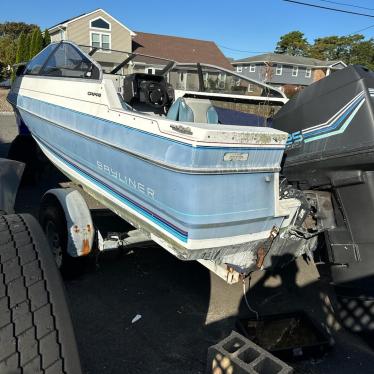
<point>79,223</point>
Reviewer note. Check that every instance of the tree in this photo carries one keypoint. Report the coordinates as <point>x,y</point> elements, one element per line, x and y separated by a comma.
<point>352,49</point>
<point>14,29</point>
<point>36,42</point>
<point>363,54</point>
<point>294,43</point>
<point>22,53</point>
<point>32,44</point>
<point>10,33</point>
<point>28,46</point>
<point>335,47</point>
<point>46,38</point>
<point>8,48</point>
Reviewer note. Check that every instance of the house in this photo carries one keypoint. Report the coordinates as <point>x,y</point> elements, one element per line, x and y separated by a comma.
<point>182,50</point>
<point>98,29</point>
<point>282,70</point>
<point>179,49</point>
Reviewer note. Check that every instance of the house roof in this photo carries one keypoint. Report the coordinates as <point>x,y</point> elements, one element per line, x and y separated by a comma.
<point>288,59</point>
<point>67,21</point>
<point>179,49</point>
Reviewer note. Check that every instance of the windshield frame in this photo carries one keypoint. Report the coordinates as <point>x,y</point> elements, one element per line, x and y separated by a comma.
<point>196,65</point>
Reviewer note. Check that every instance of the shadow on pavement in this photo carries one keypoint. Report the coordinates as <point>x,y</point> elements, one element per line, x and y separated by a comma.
<point>184,308</point>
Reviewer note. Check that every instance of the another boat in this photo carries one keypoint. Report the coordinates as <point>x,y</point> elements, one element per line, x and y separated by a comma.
<point>162,159</point>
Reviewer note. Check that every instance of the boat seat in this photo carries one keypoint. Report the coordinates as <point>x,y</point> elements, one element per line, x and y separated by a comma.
<point>193,110</point>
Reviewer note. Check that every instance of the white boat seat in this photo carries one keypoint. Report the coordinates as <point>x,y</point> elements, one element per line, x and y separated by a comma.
<point>193,110</point>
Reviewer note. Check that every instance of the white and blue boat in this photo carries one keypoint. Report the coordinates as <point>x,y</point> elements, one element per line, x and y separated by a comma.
<point>164,160</point>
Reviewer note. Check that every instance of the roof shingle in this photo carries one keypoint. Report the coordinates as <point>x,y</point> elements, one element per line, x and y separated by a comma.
<point>179,49</point>
<point>286,59</point>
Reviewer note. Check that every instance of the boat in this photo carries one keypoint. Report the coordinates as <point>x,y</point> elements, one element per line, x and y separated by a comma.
<point>169,160</point>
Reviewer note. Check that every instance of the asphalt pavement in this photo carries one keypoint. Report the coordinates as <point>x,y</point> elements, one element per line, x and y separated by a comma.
<point>184,308</point>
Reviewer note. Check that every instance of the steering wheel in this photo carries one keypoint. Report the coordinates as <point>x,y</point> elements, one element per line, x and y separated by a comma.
<point>155,94</point>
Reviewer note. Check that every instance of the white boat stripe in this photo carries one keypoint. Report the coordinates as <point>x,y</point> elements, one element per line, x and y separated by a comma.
<point>327,123</point>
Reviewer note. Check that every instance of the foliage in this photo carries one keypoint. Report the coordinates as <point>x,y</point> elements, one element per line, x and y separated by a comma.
<point>8,47</point>
<point>46,38</point>
<point>22,50</point>
<point>335,47</point>
<point>15,29</point>
<point>352,49</point>
<point>294,43</point>
<point>12,48</point>
<point>36,42</point>
<point>363,53</point>
<point>28,46</point>
<point>32,44</point>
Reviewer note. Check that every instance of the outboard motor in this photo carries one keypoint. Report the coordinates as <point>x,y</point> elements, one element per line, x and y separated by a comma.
<point>331,148</point>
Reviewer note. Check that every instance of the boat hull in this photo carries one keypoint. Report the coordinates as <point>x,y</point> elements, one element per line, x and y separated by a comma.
<point>200,191</point>
<point>193,206</point>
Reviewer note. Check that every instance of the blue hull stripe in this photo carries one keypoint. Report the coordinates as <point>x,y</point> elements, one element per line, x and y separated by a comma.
<point>172,229</point>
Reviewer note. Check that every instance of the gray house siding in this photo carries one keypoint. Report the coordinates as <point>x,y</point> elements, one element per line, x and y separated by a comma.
<point>268,74</point>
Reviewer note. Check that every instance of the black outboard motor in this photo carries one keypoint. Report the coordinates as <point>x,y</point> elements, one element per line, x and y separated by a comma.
<point>331,148</point>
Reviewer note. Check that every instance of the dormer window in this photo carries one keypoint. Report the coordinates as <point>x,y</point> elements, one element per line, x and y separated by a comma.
<point>100,23</point>
<point>100,34</point>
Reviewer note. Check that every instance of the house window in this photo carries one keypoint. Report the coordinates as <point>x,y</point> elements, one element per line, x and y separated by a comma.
<point>308,72</point>
<point>100,23</point>
<point>252,68</point>
<point>100,40</point>
<point>105,41</point>
<point>295,71</point>
<point>152,70</point>
<point>278,69</point>
<point>239,69</point>
<point>250,87</point>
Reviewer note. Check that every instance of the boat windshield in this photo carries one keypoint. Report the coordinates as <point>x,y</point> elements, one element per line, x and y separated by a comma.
<point>180,91</point>
<point>212,79</point>
<point>198,77</point>
<point>143,81</point>
<point>62,60</point>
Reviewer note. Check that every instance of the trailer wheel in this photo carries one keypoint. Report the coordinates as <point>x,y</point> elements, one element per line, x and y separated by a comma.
<point>36,332</point>
<point>53,222</point>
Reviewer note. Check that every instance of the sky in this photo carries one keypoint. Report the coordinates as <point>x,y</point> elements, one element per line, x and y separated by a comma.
<point>246,25</point>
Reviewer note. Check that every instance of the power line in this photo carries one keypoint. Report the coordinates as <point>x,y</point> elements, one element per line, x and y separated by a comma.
<point>366,28</point>
<point>328,8</point>
<point>241,50</point>
<point>346,4</point>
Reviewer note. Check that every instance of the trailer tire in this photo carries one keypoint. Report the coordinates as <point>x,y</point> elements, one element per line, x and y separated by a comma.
<point>24,149</point>
<point>53,222</point>
<point>36,331</point>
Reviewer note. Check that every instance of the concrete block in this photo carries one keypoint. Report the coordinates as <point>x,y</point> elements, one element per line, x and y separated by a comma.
<point>238,355</point>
